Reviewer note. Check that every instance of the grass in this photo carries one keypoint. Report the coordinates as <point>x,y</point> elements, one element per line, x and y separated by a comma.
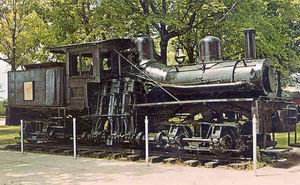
<point>282,138</point>
<point>8,134</point>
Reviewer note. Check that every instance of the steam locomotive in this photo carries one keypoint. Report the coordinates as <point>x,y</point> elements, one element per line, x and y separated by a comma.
<point>111,86</point>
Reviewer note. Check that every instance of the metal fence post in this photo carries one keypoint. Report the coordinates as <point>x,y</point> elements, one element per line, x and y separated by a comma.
<point>296,137</point>
<point>22,137</point>
<point>254,132</point>
<point>74,138</point>
<point>146,140</point>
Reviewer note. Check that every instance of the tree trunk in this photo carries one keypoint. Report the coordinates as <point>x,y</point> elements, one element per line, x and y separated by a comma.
<point>164,48</point>
<point>190,53</point>
<point>279,93</point>
<point>13,32</point>
<point>85,18</point>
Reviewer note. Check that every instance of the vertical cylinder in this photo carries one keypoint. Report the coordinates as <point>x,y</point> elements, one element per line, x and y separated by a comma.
<point>250,44</point>
<point>254,122</point>
<point>22,137</point>
<point>74,138</point>
<point>146,141</point>
<point>210,49</point>
<point>145,48</point>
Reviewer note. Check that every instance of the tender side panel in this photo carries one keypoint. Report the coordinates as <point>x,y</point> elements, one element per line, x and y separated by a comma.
<point>11,89</point>
<point>50,87</point>
<point>36,87</point>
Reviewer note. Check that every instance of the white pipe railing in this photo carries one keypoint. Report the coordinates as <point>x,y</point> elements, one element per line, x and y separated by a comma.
<point>146,141</point>
<point>22,137</point>
<point>74,139</point>
<point>254,132</point>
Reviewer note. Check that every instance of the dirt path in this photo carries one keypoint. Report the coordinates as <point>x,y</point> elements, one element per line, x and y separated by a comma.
<point>30,168</point>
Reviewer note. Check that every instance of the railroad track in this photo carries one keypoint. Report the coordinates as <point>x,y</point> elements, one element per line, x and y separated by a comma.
<point>132,154</point>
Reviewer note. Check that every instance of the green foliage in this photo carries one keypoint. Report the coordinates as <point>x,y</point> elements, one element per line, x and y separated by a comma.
<point>165,19</point>
<point>30,33</point>
<point>2,107</point>
<point>273,21</point>
<point>41,24</point>
<point>2,103</point>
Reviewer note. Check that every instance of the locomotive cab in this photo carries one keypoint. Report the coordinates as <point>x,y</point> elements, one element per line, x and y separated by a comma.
<point>88,64</point>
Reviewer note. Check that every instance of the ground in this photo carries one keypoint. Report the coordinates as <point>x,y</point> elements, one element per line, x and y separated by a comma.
<point>33,168</point>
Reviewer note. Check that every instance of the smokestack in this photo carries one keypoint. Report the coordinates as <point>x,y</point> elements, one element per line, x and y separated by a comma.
<point>250,46</point>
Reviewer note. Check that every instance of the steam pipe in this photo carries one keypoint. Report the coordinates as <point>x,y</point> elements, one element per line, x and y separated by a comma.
<point>206,86</point>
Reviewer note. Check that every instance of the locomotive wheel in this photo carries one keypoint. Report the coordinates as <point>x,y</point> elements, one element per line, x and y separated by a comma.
<point>159,139</point>
<point>227,141</point>
<point>139,139</point>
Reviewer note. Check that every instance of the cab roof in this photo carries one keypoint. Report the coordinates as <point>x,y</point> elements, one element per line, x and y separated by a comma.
<point>105,45</point>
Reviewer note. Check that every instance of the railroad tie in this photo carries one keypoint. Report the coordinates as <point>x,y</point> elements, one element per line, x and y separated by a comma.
<point>212,164</point>
<point>54,151</point>
<point>118,155</point>
<point>84,153</point>
<point>67,152</point>
<point>28,149</point>
<point>156,159</point>
<point>169,160</point>
<point>39,149</point>
<point>192,163</point>
<point>99,154</point>
<point>134,157</point>
<point>240,166</point>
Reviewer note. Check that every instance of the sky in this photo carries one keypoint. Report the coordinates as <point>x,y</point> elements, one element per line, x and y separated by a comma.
<point>4,67</point>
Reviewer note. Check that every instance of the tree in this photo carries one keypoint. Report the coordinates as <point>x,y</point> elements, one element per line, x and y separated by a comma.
<point>9,26</point>
<point>166,18</point>
<point>69,21</point>
<point>22,33</point>
<point>28,27</point>
<point>272,21</point>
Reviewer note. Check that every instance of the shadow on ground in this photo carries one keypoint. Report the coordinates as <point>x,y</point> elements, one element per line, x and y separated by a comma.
<point>293,159</point>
